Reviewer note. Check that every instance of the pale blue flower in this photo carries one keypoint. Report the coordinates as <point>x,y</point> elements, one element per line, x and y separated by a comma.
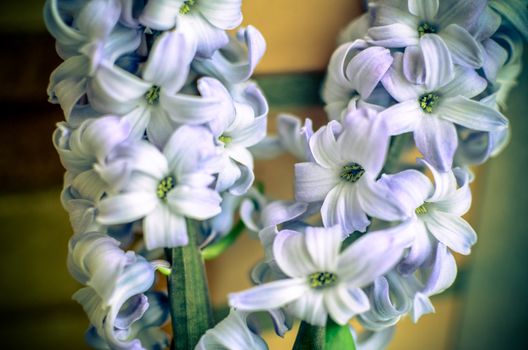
<point>435,212</point>
<point>90,144</point>
<point>369,340</point>
<point>235,62</point>
<point>165,188</point>
<point>240,123</point>
<point>436,35</point>
<point>432,112</point>
<point>355,69</point>
<point>231,333</point>
<point>205,20</point>
<point>348,159</point>
<point>152,103</point>
<point>322,280</point>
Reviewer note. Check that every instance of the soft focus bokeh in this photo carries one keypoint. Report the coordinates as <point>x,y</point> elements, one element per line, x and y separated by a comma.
<point>487,308</point>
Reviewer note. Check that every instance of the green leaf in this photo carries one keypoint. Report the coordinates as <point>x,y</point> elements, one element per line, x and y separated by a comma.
<point>338,337</point>
<point>216,249</point>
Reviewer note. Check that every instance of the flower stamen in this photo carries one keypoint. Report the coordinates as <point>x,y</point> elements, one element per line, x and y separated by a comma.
<point>422,209</point>
<point>352,172</point>
<point>187,6</point>
<point>225,139</point>
<point>428,101</point>
<point>152,95</point>
<point>426,28</point>
<point>319,280</point>
<point>164,187</point>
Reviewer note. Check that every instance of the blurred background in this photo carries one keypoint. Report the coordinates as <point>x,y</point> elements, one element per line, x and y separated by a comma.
<point>487,308</point>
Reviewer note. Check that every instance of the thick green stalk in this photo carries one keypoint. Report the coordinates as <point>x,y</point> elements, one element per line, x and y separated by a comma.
<point>191,311</point>
<point>310,337</point>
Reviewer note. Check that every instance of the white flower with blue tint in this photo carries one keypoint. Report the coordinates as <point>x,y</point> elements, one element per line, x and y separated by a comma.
<point>231,333</point>
<point>432,112</point>
<point>165,188</point>
<point>436,35</point>
<point>354,71</point>
<point>436,212</point>
<point>240,123</point>
<point>204,20</point>
<point>321,279</point>
<point>348,159</point>
<point>151,103</point>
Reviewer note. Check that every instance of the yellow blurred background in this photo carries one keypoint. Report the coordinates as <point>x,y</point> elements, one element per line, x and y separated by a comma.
<point>483,310</point>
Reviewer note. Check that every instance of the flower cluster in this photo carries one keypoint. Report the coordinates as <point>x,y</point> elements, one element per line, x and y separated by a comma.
<point>385,232</point>
<point>159,115</point>
<point>162,124</point>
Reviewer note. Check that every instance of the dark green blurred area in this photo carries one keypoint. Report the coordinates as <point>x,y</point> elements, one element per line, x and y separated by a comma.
<point>36,310</point>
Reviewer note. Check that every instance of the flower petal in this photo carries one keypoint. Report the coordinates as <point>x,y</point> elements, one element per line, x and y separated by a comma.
<point>269,295</point>
<point>456,202</point>
<point>465,50</point>
<point>402,117</point>
<point>443,272</point>
<point>164,229</point>
<point>126,207</point>
<point>451,230</point>
<point>324,146</point>
<point>472,114</point>
<point>466,83</point>
<point>343,304</point>
<point>323,245</point>
<point>310,308</point>
<point>397,84</point>
<point>437,140</point>
<point>393,35</point>
<point>342,207</point>
<point>223,14</point>
<point>292,255</point>
<point>195,203</point>
<point>424,9</point>
<point>413,64</point>
<point>420,250</point>
<point>313,182</point>
<point>410,188</point>
<point>439,68</point>
<point>377,200</point>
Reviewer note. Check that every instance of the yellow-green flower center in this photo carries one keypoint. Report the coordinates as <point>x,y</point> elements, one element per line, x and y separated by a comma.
<point>187,6</point>
<point>352,172</point>
<point>319,280</point>
<point>426,28</point>
<point>422,209</point>
<point>428,101</point>
<point>225,139</point>
<point>164,186</point>
<point>152,96</point>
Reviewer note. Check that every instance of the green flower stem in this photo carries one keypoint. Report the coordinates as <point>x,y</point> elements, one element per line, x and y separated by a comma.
<point>190,305</point>
<point>310,337</point>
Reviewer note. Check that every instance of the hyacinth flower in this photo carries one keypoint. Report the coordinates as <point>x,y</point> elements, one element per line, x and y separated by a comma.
<point>355,69</point>
<point>348,159</point>
<point>430,113</point>
<point>240,123</point>
<point>151,103</point>
<point>164,188</point>
<point>116,281</point>
<point>435,34</point>
<point>235,62</point>
<point>205,20</point>
<point>436,212</point>
<point>321,280</point>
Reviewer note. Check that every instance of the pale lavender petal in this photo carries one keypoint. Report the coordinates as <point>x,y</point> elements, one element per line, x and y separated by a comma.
<point>160,127</point>
<point>443,271</point>
<point>342,207</point>
<point>421,306</point>
<point>224,14</point>
<point>424,9</point>
<point>323,245</point>
<point>195,203</point>
<point>189,109</point>
<point>445,182</point>
<point>343,304</point>
<point>465,50</point>
<point>402,117</point>
<point>414,65</point>
<point>472,114</point>
<point>420,251</point>
<point>466,83</point>
<point>397,85</point>
<point>292,255</point>
<point>160,14</point>
<point>456,202</point>
<point>393,35</point>
<point>310,308</point>
<point>367,68</point>
<point>164,229</point>
<point>439,68</point>
<point>269,295</point>
<point>437,140</point>
<point>126,207</point>
<point>451,230</point>
<point>410,188</point>
<point>495,56</point>
<point>208,37</point>
<point>377,200</point>
<point>324,146</point>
